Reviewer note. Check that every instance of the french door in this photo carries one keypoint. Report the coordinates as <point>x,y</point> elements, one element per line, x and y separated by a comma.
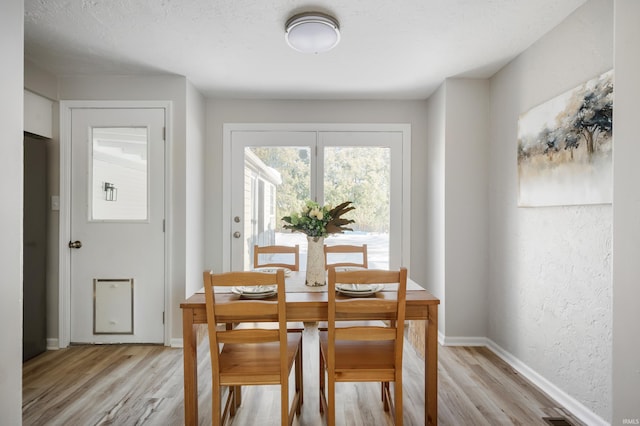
<point>272,171</point>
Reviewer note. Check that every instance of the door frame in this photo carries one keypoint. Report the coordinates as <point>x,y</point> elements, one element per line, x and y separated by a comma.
<point>403,128</point>
<point>64,262</point>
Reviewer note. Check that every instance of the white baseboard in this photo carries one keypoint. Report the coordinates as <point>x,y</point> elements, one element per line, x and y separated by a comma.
<point>560,396</point>
<point>53,344</point>
<point>462,341</point>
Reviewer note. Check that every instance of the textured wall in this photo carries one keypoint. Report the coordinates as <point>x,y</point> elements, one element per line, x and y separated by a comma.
<point>558,316</point>
<point>550,268</point>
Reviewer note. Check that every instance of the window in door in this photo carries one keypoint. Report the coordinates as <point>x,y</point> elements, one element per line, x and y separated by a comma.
<point>119,174</point>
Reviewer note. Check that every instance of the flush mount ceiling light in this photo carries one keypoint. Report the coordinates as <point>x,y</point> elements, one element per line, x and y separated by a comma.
<point>312,32</point>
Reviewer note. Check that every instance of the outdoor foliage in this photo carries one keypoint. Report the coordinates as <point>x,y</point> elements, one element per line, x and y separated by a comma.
<point>293,164</point>
<point>359,174</point>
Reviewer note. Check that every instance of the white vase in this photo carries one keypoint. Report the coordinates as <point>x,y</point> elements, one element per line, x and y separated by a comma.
<point>316,275</point>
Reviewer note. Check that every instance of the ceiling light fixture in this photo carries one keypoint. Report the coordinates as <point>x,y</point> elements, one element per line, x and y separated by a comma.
<point>312,32</point>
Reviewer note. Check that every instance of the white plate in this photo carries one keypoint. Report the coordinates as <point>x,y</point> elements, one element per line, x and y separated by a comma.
<point>354,287</point>
<point>257,289</point>
<point>349,268</point>
<point>287,271</point>
<point>363,290</point>
<point>254,292</point>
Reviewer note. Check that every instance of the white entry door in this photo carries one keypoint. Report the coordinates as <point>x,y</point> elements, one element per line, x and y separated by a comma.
<point>117,225</point>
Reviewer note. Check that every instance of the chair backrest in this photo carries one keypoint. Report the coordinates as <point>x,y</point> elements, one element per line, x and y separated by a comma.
<point>274,250</point>
<point>246,310</point>
<point>340,249</point>
<point>388,304</point>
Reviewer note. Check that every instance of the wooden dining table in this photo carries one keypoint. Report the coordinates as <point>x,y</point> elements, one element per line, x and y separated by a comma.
<point>309,304</point>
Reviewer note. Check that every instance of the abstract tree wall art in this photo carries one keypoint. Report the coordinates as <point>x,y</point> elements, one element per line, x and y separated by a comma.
<point>565,147</point>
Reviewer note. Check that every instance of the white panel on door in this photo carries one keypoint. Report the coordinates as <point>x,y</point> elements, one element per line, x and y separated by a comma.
<point>113,306</point>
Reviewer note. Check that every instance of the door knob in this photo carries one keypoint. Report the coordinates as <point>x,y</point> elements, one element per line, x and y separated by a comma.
<point>236,234</point>
<point>75,244</point>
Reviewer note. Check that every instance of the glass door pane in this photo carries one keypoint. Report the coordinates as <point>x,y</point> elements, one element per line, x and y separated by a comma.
<point>277,182</point>
<point>361,175</point>
<point>119,174</point>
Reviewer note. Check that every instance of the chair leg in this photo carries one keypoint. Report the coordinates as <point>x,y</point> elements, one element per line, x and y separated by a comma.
<point>228,410</point>
<point>216,396</point>
<point>284,403</point>
<point>321,380</point>
<point>233,401</point>
<point>386,396</point>
<point>331,403</point>
<point>301,369</point>
<point>397,387</point>
<point>237,395</point>
<point>299,380</point>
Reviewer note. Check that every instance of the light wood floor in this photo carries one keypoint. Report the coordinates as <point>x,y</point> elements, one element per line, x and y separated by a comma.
<point>142,385</point>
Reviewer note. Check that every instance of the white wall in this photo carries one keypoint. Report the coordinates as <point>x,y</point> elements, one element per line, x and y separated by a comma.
<point>435,199</point>
<point>11,166</point>
<point>40,81</point>
<point>626,214</point>
<point>38,115</point>
<point>466,207</point>
<point>195,219</point>
<point>550,268</point>
<point>165,88</point>
<point>457,209</point>
<point>257,111</point>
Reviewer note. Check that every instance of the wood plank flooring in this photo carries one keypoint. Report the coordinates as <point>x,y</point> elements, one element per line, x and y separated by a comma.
<point>142,385</point>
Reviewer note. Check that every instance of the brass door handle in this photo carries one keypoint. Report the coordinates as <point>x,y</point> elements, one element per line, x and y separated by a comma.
<point>75,244</point>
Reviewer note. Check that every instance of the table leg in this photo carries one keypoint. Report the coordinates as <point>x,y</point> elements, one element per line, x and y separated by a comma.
<point>190,359</point>
<point>431,367</point>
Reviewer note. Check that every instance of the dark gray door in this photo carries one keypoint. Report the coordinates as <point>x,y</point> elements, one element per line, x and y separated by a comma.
<point>34,247</point>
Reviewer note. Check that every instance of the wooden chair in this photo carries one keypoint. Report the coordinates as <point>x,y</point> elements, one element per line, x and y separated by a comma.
<point>340,249</point>
<point>295,250</point>
<point>364,353</point>
<point>349,249</point>
<point>251,356</point>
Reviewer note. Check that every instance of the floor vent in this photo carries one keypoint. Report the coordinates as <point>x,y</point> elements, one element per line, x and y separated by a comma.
<point>557,421</point>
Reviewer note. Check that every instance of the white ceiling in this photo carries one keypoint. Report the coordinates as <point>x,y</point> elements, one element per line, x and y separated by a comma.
<point>236,48</point>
